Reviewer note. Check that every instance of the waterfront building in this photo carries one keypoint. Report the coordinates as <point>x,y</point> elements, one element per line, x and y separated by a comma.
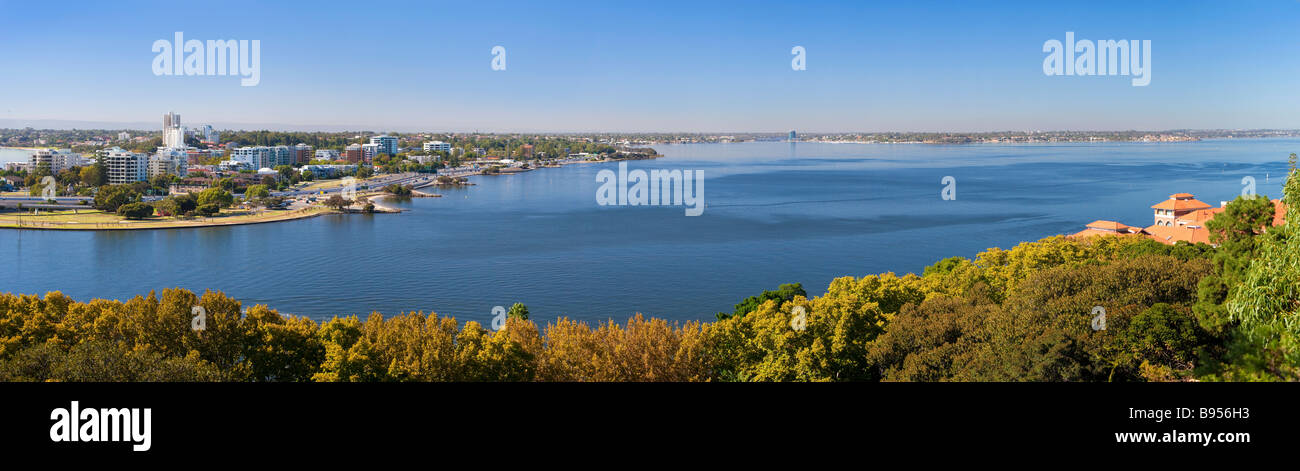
<point>1180,218</point>
<point>124,166</point>
<point>328,171</point>
<point>56,160</point>
<point>386,144</point>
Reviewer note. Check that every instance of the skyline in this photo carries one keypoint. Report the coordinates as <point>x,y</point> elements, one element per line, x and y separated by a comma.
<point>591,67</point>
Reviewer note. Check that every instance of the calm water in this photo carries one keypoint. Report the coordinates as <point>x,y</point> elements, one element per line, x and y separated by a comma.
<point>776,213</point>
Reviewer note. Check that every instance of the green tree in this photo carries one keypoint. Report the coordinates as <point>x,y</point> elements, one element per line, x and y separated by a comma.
<point>94,175</point>
<point>207,210</point>
<point>518,311</point>
<point>217,196</point>
<point>1235,231</point>
<point>135,210</point>
<point>783,293</point>
<point>111,197</point>
<point>337,202</point>
<point>256,191</point>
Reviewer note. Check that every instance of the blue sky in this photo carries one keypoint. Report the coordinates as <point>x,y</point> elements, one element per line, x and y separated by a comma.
<point>656,66</point>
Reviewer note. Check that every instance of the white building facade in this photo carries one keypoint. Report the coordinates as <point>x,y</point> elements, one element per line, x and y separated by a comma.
<point>124,166</point>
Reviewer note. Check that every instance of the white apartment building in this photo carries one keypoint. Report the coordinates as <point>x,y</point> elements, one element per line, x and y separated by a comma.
<point>437,145</point>
<point>167,162</point>
<point>262,157</point>
<point>173,132</point>
<point>57,160</point>
<point>369,151</point>
<point>125,166</point>
<point>327,154</point>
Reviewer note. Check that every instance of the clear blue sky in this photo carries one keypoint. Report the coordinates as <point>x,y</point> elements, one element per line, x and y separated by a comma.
<point>657,66</point>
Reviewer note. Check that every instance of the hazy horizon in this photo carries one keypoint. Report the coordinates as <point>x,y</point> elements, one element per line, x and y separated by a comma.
<point>43,124</point>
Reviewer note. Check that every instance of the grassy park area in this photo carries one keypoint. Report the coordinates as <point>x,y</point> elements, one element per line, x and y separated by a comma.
<point>99,220</point>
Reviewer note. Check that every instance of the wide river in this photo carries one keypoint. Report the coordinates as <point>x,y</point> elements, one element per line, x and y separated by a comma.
<point>776,213</point>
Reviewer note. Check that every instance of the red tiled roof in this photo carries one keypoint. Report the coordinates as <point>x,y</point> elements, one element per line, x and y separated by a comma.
<point>1172,234</point>
<point>1110,226</point>
<point>1179,203</point>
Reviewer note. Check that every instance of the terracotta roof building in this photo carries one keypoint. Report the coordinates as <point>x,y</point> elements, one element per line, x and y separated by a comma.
<point>1180,218</point>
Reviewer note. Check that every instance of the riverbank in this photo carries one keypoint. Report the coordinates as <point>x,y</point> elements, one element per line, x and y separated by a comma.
<point>378,198</point>
<point>101,221</point>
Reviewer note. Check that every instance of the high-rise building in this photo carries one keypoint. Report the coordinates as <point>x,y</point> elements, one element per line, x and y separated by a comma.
<point>125,166</point>
<point>173,132</point>
<point>387,144</point>
<point>793,136</point>
<point>209,134</point>
<point>300,154</point>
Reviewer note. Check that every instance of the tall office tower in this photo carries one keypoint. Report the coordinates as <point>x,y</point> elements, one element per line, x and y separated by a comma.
<point>173,132</point>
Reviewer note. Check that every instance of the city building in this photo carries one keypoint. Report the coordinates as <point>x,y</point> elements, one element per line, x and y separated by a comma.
<point>437,145</point>
<point>56,160</point>
<point>173,132</point>
<point>209,135</point>
<point>252,157</point>
<point>167,162</point>
<point>300,154</point>
<point>123,136</point>
<point>327,154</point>
<point>369,151</point>
<point>124,166</point>
<point>793,136</point>
<point>234,166</point>
<point>328,171</point>
<point>354,153</point>
<point>263,156</point>
<point>387,144</point>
